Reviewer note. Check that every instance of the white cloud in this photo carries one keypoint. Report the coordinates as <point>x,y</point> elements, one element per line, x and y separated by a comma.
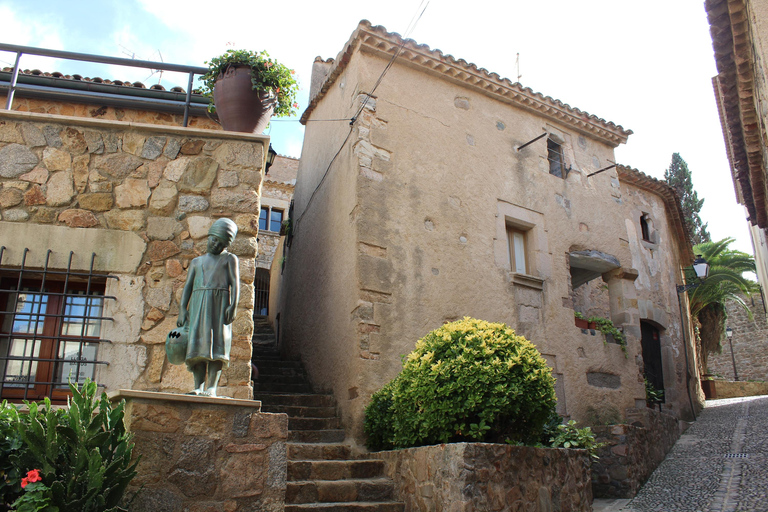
<point>28,31</point>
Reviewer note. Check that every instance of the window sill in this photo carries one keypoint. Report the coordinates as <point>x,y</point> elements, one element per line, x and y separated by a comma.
<point>528,281</point>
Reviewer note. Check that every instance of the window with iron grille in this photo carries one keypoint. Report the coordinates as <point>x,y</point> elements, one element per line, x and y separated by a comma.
<point>50,329</point>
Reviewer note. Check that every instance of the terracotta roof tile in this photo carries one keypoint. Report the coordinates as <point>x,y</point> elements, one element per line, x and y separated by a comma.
<point>376,40</point>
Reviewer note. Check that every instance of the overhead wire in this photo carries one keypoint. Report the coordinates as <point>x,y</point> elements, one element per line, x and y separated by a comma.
<point>406,35</point>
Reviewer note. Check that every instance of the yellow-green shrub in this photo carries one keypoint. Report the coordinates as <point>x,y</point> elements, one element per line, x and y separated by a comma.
<point>469,380</point>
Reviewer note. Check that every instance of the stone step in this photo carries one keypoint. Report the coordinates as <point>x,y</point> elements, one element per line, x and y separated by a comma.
<point>296,378</point>
<point>370,506</point>
<point>278,387</point>
<point>316,436</point>
<point>301,412</point>
<point>323,491</point>
<point>318,451</point>
<point>275,363</point>
<point>313,423</point>
<point>334,469</point>
<point>297,399</point>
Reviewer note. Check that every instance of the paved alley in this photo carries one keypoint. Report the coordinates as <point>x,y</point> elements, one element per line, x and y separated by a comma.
<point>720,464</point>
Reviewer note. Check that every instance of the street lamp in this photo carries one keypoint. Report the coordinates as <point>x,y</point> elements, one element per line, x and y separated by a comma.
<point>271,154</point>
<point>729,335</point>
<point>701,268</point>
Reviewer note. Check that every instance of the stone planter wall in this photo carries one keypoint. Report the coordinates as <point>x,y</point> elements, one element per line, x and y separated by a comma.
<point>142,197</point>
<point>205,454</point>
<point>632,452</point>
<point>464,477</point>
<point>732,389</point>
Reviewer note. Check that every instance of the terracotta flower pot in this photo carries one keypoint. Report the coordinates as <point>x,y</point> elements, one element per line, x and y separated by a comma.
<point>581,323</point>
<point>240,107</point>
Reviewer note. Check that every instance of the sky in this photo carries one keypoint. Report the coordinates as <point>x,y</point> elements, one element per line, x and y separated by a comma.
<point>645,65</point>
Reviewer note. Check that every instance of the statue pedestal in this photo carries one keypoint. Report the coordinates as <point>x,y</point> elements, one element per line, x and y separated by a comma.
<point>205,454</point>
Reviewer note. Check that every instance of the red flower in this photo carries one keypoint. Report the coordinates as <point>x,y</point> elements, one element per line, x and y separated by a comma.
<point>32,477</point>
<point>293,72</point>
<point>295,105</point>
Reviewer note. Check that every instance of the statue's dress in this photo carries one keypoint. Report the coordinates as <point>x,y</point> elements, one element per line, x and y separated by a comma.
<point>209,338</point>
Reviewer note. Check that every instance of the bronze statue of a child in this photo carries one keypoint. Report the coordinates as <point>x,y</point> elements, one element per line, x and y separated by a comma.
<point>208,306</point>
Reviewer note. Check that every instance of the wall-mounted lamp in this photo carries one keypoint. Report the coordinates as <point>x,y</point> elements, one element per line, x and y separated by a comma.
<point>271,154</point>
<point>701,268</point>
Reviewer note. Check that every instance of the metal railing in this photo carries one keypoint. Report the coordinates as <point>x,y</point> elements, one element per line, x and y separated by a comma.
<point>13,85</point>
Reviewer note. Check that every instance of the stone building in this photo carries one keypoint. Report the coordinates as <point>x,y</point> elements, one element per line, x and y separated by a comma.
<point>739,30</point>
<point>105,168</point>
<point>276,196</point>
<point>457,193</point>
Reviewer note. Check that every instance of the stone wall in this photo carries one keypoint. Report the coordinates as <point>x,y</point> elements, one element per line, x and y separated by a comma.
<point>731,389</point>
<point>205,454</point>
<point>631,452</point>
<point>155,191</point>
<point>750,343</point>
<point>464,477</point>
<point>126,115</point>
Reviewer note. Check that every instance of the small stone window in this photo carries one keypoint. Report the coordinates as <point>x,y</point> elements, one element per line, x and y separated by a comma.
<point>518,250</point>
<point>556,158</point>
<point>647,232</point>
<point>270,219</point>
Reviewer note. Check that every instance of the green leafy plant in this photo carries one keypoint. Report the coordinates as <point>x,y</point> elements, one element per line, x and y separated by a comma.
<point>578,315</point>
<point>653,395</point>
<point>82,454</point>
<point>266,75</point>
<point>568,435</point>
<point>605,326</point>
<point>469,380</point>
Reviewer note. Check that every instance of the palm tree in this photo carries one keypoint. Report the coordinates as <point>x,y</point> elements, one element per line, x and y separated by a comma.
<point>726,281</point>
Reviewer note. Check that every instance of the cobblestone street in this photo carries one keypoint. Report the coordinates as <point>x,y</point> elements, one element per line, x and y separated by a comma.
<point>720,464</point>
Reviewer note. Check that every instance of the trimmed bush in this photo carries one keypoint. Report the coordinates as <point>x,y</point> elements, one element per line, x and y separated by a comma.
<point>469,380</point>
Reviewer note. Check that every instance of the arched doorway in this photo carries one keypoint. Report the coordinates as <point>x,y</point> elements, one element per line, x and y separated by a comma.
<point>261,292</point>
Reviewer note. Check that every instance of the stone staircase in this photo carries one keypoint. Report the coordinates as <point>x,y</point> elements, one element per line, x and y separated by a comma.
<point>322,474</point>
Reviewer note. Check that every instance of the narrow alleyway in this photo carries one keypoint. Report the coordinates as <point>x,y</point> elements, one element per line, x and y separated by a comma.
<point>720,464</point>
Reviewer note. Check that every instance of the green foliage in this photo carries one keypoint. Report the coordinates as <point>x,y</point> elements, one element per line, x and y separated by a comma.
<point>578,315</point>
<point>678,176</point>
<point>469,380</point>
<point>653,395</point>
<point>266,75</point>
<point>568,435</point>
<point>82,452</point>
<point>605,326</point>
<point>726,281</point>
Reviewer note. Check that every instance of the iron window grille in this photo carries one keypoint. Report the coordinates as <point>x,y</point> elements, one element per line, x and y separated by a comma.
<point>50,328</point>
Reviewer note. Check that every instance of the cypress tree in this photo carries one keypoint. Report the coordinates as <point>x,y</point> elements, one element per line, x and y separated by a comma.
<point>678,176</point>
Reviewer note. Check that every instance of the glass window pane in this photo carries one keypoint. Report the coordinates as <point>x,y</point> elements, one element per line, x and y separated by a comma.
<point>30,309</point>
<point>263,219</point>
<point>17,373</point>
<point>77,364</point>
<point>81,315</point>
<point>519,243</point>
<point>276,220</point>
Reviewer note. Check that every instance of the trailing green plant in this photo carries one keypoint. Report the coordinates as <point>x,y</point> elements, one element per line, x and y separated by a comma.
<point>266,75</point>
<point>578,315</point>
<point>568,435</point>
<point>468,380</point>
<point>605,326</point>
<point>653,395</point>
<point>81,454</point>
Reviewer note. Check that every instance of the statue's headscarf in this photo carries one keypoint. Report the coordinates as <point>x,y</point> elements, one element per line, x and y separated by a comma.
<point>224,229</point>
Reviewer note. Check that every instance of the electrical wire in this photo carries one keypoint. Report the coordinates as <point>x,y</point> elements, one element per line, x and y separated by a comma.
<point>405,37</point>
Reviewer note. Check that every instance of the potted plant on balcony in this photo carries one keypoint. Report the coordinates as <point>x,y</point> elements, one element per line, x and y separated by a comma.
<point>248,88</point>
<point>580,321</point>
